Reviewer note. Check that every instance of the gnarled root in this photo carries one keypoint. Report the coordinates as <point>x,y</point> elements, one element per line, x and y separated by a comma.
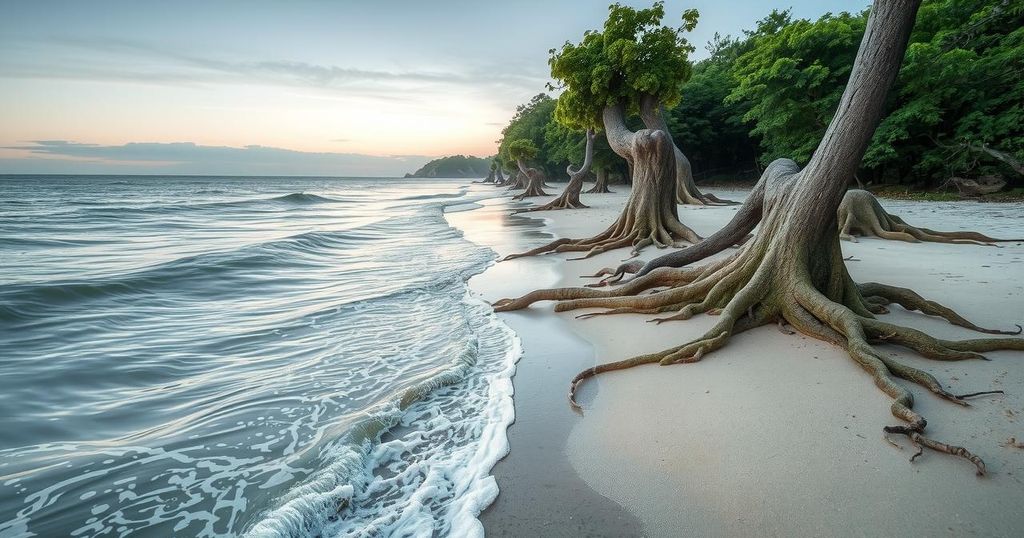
<point>570,197</point>
<point>861,214</point>
<point>788,277</point>
<point>534,185</point>
<point>650,216</point>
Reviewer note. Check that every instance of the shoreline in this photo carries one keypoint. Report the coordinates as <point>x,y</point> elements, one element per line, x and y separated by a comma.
<point>781,435</point>
<point>540,493</point>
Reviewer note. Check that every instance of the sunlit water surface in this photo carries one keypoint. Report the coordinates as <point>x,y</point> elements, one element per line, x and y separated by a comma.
<point>218,356</point>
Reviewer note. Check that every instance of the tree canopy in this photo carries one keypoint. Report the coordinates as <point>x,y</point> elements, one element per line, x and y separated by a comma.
<point>633,55</point>
<point>772,91</point>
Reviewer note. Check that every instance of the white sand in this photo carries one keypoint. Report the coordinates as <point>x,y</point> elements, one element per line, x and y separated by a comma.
<point>779,435</point>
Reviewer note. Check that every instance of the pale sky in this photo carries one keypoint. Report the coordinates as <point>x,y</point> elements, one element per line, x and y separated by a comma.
<point>362,88</point>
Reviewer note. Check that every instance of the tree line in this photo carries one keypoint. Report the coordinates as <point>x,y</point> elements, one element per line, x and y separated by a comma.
<point>955,110</point>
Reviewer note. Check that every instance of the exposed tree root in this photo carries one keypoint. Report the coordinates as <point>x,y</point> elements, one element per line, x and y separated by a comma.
<point>534,182</point>
<point>570,197</point>
<point>601,185</point>
<point>784,276</point>
<point>861,214</point>
<point>793,270</point>
<point>650,216</point>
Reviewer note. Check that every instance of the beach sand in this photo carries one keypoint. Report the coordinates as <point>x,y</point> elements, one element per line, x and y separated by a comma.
<point>773,435</point>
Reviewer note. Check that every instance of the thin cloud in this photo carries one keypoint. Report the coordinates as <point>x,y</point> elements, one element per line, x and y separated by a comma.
<point>192,158</point>
<point>186,69</point>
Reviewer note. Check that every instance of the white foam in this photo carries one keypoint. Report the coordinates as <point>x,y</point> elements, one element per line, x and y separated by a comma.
<point>430,472</point>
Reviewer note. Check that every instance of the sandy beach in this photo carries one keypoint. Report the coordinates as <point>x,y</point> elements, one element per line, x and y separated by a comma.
<point>774,435</point>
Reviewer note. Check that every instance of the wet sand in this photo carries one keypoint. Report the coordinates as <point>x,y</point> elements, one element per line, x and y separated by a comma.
<point>540,492</point>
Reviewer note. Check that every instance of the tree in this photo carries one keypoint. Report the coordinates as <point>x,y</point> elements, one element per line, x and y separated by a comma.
<point>567,146</point>
<point>958,95</point>
<point>520,151</point>
<point>860,213</point>
<point>633,65</point>
<point>793,270</point>
<point>792,76</point>
<point>570,197</point>
<point>530,122</point>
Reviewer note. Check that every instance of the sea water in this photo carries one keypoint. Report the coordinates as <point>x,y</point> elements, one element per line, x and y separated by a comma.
<point>208,356</point>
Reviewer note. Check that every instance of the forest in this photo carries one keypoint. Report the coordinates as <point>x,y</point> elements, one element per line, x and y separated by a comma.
<point>956,109</point>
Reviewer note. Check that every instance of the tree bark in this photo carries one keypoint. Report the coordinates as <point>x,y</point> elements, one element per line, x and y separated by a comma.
<point>650,215</point>
<point>601,186</point>
<point>793,272</point>
<point>653,116</point>
<point>570,197</point>
<point>534,181</point>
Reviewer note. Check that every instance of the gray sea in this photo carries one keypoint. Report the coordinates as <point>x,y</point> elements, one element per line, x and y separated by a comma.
<point>208,356</point>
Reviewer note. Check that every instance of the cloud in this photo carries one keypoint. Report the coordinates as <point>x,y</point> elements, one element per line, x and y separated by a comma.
<point>123,60</point>
<point>49,156</point>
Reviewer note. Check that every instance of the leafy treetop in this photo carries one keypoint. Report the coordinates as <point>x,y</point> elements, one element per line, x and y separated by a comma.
<point>522,149</point>
<point>634,55</point>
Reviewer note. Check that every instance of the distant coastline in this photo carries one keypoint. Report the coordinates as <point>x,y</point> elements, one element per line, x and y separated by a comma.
<point>454,166</point>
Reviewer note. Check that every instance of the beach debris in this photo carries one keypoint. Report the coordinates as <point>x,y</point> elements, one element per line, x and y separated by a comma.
<point>1013,443</point>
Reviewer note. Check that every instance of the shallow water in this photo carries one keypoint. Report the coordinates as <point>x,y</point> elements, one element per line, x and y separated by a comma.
<point>218,356</point>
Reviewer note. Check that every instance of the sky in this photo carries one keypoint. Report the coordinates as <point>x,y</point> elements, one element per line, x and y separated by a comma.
<point>336,88</point>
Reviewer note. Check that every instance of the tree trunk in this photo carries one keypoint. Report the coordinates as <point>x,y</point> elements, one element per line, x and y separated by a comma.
<point>793,270</point>
<point>499,178</point>
<point>570,197</point>
<point>650,216</point>
<point>601,186</point>
<point>653,116</point>
<point>488,179</point>
<point>861,214</point>
<point>517,181</point>
<point>534,182</point>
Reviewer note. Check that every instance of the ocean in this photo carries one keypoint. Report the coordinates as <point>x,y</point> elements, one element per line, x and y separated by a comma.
<point>209,356</point>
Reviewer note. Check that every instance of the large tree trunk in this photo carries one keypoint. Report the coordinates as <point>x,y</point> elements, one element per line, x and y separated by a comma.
<point>653,116</point>
<point>601,186</point>
<point>650,216</point>
<point>518,181</point>
<point>499,178</point>
<point>570,197</point>
<point>793,270</point>
<point>534,182</point>
<point>488,179</point>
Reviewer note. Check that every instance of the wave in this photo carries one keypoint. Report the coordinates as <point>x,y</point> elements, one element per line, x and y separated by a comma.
<point>103,209</point>
<point>444,481</point>
<point>299,198</point>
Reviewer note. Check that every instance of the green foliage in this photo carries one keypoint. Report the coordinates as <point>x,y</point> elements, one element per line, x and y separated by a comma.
<point>792,77</point>
<point>455,166</point>
<point>522,149</point>
<point>633,55</point>
<point>529,123</point>
<point>710,129</point>
<point>772,92</point>
<point>961,83</point>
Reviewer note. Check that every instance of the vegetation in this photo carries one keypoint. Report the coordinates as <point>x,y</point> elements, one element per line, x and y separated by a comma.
<point>455,166</point>
<point>793,272</point>
<point>634,64</point>
<point>956,109</point>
